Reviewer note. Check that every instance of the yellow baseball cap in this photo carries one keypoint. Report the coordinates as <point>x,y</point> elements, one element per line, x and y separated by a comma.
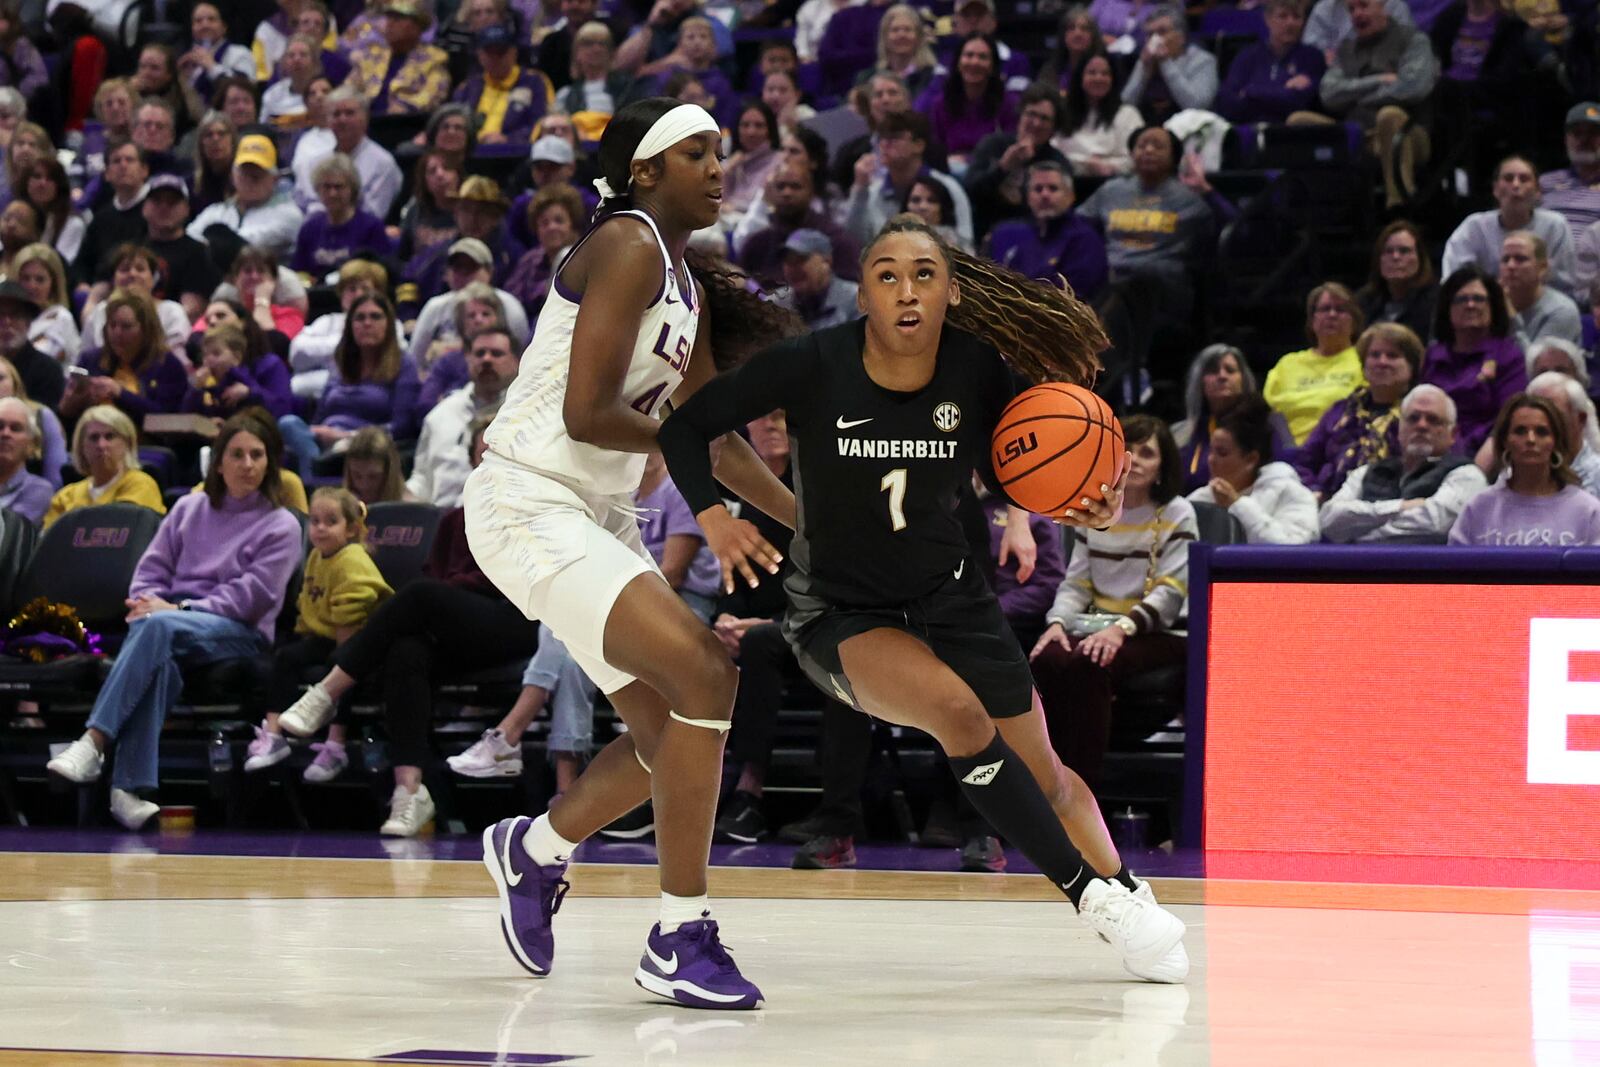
<point>256,149</point>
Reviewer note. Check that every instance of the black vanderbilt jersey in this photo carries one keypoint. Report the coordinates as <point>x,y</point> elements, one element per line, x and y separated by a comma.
<point>877,473</point>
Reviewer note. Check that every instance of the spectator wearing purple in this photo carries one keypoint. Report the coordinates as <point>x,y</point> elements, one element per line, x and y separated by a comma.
<point>480,212</point>
<point>788,197</point>
<point>374,384</point>
<point>696,54</point>
<point>1474,357</point>
<point>1540,503</point>
<point>905,47</point>
<point>1077,38</point>
<point>229,381</point>
<point>555,215</point>
<point>507,98</point>
<point>1364,427</point>
<point>1055,240</point>
<point>1480,49</point>
<point>675,541</point>
<point>551,162</point>
<point>965,107</point>
<point>1171,75</point>
<point>136,369</point>
<point>1574,191</point>
<point>343,230</point>
<point>1024,600</point>
<point>1271,80</point>
<point>1122,20</point>
<point>21,65</point>
<point>978,18</point>
<point>348,121</point>
<point>26,494</point>
<point>211,54</point>
<point>208,588</point>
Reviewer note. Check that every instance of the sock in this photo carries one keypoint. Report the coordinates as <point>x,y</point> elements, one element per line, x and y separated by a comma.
<point>1125,876</point>
<point>544,846</point>
<point>675,911</point>
<point>1005,793</point>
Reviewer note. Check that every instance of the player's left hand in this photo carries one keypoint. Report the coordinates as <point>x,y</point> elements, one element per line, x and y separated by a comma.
<point>1018,541</point>
<point>1102,514</point>
<point>738,546</point>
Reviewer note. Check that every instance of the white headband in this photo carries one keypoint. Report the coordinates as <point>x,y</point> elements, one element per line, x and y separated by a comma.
<point>685,120</point>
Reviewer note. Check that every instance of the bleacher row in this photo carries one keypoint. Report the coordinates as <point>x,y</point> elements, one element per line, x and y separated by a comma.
<point>87,559</point>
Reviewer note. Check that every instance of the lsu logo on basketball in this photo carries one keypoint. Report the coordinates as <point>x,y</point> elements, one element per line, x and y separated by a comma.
<point>1018,447</point>
<point>947,416</point>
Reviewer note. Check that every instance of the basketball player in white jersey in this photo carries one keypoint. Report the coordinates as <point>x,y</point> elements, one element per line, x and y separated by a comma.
<point>549,517</point>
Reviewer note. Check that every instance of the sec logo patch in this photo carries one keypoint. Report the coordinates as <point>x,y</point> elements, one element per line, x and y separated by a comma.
<point>947,416</point>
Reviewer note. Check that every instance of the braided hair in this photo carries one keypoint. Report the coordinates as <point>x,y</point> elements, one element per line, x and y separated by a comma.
<point>1045,333</point>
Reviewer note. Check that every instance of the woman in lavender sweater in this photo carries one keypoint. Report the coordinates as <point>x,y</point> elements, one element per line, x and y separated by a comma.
<point>1474,357</point>
<point>373,384</point>
<point>1540,503</point>
<point>209,588</point>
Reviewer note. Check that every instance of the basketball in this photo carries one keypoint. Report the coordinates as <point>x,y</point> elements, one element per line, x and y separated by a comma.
<point>1055,444</point>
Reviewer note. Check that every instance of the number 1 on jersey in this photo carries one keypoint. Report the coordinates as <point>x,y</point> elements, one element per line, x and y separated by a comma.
<point>894,483</point>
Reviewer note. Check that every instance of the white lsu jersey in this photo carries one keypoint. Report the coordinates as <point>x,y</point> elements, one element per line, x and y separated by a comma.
<point>530,429</point>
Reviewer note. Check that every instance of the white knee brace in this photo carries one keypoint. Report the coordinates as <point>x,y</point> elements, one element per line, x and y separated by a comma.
<point>721,726</point>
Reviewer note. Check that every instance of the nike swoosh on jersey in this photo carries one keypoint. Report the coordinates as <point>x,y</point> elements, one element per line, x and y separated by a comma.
<point>844,425</point>
<point>513,878</point>
<point>961,568</point>
<point>664,966</point>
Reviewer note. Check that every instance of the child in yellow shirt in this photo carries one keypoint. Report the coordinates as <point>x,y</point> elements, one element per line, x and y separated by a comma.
<point>342,586</point>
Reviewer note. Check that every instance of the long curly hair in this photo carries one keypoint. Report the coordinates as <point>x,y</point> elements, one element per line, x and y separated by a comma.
<point>742,323</point>
<point>1045,333</point>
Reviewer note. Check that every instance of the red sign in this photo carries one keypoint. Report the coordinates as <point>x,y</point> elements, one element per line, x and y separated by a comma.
<point>1441,734</point>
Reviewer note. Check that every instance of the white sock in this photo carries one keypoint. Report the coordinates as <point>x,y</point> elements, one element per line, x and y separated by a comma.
<point>544,846</point>
<point>675,911</point>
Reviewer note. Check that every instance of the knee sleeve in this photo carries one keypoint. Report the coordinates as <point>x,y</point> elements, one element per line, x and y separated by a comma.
<point>721,726</point>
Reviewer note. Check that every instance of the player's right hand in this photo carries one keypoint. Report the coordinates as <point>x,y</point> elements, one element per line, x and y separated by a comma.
<point>738,546</point>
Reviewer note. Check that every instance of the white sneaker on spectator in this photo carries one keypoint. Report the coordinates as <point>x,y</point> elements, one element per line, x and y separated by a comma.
<point>79,762</point>
<point>489,757</point>
<point>310,713</point>
<point>130,810</point>
<point>1142,933</point>
<point>329,764</point>
<point>409,812</point>
<point>266,750</point>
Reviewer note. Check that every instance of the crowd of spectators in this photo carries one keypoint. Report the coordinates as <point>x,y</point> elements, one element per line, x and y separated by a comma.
<point>325,232</point>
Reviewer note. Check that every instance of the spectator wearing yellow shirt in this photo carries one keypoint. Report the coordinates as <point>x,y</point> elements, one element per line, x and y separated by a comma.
<point>507,99</point>
<point>106,447</point>
<point>342,586</point>
<point>397,72</point>
<point>1305,384</point>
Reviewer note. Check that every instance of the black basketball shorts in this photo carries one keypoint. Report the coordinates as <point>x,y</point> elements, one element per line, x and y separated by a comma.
<point>961,622</point>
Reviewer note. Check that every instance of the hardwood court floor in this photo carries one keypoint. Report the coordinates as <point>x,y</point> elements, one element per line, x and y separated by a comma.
<point>163,960</point>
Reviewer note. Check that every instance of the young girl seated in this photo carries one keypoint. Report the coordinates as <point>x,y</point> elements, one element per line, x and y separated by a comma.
<point>342,586</point>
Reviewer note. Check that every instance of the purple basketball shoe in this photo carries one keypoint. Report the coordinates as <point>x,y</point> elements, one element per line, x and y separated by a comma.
<point>692,968</point>
<point>529,894</point>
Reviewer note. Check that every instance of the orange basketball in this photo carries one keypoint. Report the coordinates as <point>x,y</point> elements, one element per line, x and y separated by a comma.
<point>1054,445</point>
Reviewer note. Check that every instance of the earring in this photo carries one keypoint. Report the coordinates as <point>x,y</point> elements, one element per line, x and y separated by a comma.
<point>1556,461</point>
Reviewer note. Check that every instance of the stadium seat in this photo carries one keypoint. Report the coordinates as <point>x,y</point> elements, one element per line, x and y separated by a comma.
<point>399,537</point>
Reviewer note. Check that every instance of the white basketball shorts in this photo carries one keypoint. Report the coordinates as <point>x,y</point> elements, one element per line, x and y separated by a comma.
<point>560,557</point>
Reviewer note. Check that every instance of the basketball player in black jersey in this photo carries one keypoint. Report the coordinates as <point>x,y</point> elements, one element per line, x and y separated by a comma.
<point>888,417</point>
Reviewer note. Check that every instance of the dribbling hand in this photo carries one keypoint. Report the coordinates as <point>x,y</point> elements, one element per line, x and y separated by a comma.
<point>1104,513</point>
<point>738,546</point>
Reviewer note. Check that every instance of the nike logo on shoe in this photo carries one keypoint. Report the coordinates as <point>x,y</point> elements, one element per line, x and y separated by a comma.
<point>664,966</point>
<point>513,876</point>
<point>842,424</point>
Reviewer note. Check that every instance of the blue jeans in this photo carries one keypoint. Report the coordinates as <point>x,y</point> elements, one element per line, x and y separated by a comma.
<point>572,694</point>
<point>297,437</point>
<point>145,682</point>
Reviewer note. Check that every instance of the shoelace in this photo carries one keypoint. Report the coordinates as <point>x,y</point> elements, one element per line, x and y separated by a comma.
<point>713,947</point>
<point>554,893</point>
<point>263,742</point>
<point>1123,909</point>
